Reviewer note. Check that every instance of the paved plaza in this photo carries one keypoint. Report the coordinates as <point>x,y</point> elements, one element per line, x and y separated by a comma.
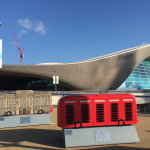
<point>48,137</point>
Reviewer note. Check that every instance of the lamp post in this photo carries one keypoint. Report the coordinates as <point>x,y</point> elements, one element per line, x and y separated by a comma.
<point>55,81</point>
<point>0,24</point>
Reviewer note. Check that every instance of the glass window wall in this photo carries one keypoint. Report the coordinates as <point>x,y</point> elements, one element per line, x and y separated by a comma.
<point>139,78</point>
<point>38,85</point>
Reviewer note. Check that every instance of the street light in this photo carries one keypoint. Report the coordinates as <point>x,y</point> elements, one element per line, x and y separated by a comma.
<point>0,24</point>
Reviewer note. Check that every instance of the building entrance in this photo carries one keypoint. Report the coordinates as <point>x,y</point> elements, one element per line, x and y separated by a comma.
<point>24,111</point>
<point>20,112</point>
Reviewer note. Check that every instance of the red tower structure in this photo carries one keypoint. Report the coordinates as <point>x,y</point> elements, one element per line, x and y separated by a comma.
<point>21,52</point>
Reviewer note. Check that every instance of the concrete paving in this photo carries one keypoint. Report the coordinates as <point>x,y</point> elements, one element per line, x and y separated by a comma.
<point>48,137</point>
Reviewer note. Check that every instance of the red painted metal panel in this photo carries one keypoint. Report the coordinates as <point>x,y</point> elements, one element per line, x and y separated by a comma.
<point>97,110</point>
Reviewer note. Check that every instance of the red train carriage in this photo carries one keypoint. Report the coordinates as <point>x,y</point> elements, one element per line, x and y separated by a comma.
<point>96,110</point>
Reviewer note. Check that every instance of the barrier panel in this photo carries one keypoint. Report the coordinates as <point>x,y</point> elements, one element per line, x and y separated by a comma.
<point>99,136</point>
<point>24,120</point>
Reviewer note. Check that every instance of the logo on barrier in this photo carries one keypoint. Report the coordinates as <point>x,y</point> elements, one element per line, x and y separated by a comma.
<point>2,119</point>
<point>68,132</point>
<point>24,120</point>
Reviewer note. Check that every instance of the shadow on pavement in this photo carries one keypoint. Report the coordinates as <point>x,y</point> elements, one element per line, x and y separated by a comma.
<point>38,136</point>
<point>144,114</point>
<point>46,138</point>
<point>116,148</point>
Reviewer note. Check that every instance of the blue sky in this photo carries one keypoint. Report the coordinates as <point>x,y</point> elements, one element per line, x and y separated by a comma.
<point>71,30</point>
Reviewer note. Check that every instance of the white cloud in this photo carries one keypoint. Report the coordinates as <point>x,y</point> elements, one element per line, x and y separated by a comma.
<point>25,23</point>
<point>21,32</point>
<point>38,26</point>
<point>12,43</point>
<point>144,43</point>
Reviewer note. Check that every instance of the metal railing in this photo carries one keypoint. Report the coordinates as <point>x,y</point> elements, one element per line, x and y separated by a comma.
<point>82,92</point>
<point>7,92</point>
<point>99,92</point>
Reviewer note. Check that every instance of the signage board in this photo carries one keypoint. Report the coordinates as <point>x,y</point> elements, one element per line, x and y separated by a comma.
<point>53,79</point>
<point>57,79</point>
<point>24,120</point>
<point>2,118</point>
<point>0,53</point>
<point>68,132</point>
<point>102,135</point>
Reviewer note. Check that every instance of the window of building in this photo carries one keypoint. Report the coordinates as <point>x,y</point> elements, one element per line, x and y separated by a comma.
<point>38,104</point>
<point>28,105</point>
<point>24,105</point>
<point>14,101</point>
<point>14,106</point>
<point>43,104</point>
<point>0,106</point>
<point>10,106</point>
<point>3,101</point>
<point>10,101</point>
<point>141,73</point>
<point>21,105</point>
<point>0,101</point>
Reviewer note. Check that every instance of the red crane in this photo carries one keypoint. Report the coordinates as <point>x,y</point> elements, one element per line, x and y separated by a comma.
<point>21,52</point>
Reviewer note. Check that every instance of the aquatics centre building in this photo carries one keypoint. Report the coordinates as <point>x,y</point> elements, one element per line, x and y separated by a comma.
<point>124,70</point>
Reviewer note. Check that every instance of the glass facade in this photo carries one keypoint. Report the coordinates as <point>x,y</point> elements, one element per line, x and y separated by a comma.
<point>138,79</point>
<point>37,84</point>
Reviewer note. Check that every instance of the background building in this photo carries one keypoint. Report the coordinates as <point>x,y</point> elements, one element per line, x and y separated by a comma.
<point>100,73</point>
<point>25,102</point>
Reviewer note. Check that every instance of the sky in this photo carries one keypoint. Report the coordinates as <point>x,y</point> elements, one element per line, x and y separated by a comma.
<point>53,31</point>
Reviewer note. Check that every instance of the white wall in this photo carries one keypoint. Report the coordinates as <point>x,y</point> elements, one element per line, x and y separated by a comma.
<point>55,99</point>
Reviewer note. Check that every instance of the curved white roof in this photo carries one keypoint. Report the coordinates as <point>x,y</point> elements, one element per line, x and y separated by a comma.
<point>100,57</point>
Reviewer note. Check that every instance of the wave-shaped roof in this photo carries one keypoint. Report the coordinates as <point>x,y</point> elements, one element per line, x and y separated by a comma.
<point>100,73</point>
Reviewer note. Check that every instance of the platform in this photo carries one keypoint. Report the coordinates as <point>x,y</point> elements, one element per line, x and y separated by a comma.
<point>99,136</point>
<point>24,120</point>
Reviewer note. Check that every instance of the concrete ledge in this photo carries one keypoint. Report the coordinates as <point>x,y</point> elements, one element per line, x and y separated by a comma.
<point>24,120</point>
<point>99,136</point>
